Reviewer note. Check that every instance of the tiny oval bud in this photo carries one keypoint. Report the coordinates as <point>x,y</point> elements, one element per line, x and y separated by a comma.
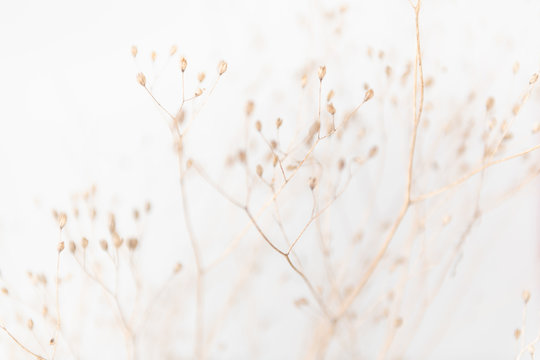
<point>183,64</point>
<point>258,126</point>
<point>222,67</point>
<point>369,94</point>
<point>331,109</point>
<point>62,219</point>
<point>201,77</point>
<point>173,50</point>
<point>279,122</point>
<point>259,170</point>
<point>60,247</point>
<point>84,243</point>
<point>141,79</point>
<point>134,51</point>
<point>322,72</point>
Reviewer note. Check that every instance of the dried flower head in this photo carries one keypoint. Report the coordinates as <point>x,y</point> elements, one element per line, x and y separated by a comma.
<point>198,92</point>
<point>330,95</point>
<point>62,219</point>
<point>177,268</point>
<point>222,67</point>
<point>201,77</point>
<point>134,51</point>
<point>104,245</point>
<point>117,240</point>
<point>72,247</point>
<point>331,109</point>
<point>279,122</point>
<point>526,296</point>
<point>84,243</point>
<point>312,182</point>
<point>153,56</point>
<point>173,50</point>
<point>259,170</point>
<point>183,64</point>
<point>141,79</point>
<point>250,105</point>
<point>112,223</point>
<point>322,72</point>
<point>533,78</point>
<point>60,246</point>
<point>258,126</point>
<point>489,103</point>
<point>304,81</point>
<point>132,243</point>
<point>30,324</point>
<point>369,94</point>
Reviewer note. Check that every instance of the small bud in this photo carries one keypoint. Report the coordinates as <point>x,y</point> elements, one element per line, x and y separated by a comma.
<point>30,324</point>
<point>60,247</point>
<point>84,243</point>
<point>112,223</point>
<point>201,77</point>
<point>173,50</point>
<point>331,109</point>
<point>489,103</point>
<point>62,219</point>
<point>222,67</point>
<point>148,206</point>
<point>369,94</point>
<point>249,107</point>
<point>526,296</point>
<point>183,64</point>
<point>398,322</point>
<point>104,245</point>
<point>117,240</point>
<point>72,247</point>
<point>533,78</point>
<point>341,164</point>
<point>177,268</point>
<point>5,291</point>
<point>153,56</point>
<point>132,243</point>
<point>330,95</point>
<point>304,81</point>
<point>322,72</point>
<point>275,160</point>
<point>273,144</point>
<point>259,170</point>
<point>189,163</point>
<point>198,92</point>
<point>258,126</point>
<point>136,214</point>
<point>517,334</point>
<point>279,122</point>
<point>312,182</point>
<point>141,79</point>
<point>134,51</point>
<point>373,151</point>
<point>51,341</point>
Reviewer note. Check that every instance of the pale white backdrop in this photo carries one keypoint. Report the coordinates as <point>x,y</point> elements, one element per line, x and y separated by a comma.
<point>72,115</point>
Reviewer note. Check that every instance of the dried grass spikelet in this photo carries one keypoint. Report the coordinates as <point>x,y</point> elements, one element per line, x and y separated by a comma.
<point>241,156</point>
<point>30,324</point>
<point>525,296</point>
<point>259,170</point>
<point>141,79</point>
<point>5,291</point>
<point>330,95</point>
<point>84,243</point>
<point>51,341</point>
<point>201,77</point>
<point>517,333</point>
<point>132,243</point>
<point>313,183</point>
<point>177,268</point>
<point>148,206</point>
<point>183,64</point>
<point>189,163</point>
<point>275,160</point>
<point>104,245</point>
<point>136,214</point>
<point>72,247</point>
<point>533,78</point>
<point>516,109</point>
<point>117,240</point>
<point>173,50</point>
<point>301,302</point>
<point>153,56</point>
<point>515,67</point>
<point>60,247</point>
<point>134,51</point>
<point>388,71</point>
<point>331,109</point>
<point>198,92</point>
<point>222,67</point>
<point>321,73</point>
<point>258,126</point>
<point>536,127</point>
<point>304,81</point>
<point>279,122</point>
<point>250,105</point>
<point>489,103</point>
<point>62,219</point>
<point>112,223</point>
<point>341,164</point>
<point>398,322</point>
<point>369,94</point>
<point>373,152</point>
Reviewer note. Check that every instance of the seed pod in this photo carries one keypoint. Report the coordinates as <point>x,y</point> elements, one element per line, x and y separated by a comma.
<point>60,247</point>
<point>201,77</point>
<point>104,245</point>
<point>62,219</point>
<point>322,72</point>
<point>72,247</point>
<point>279,122</point>
<point>117,240</point>
<point>331,109</point>
<point>183,64</point>
<point>259,170</point>
<point>84,243</point>
<point>258,126</point>
<point>132,243</point>
<point>369,94</point>
<point>222,67</point>
<point>312,182</point>
<point>141,79</point>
